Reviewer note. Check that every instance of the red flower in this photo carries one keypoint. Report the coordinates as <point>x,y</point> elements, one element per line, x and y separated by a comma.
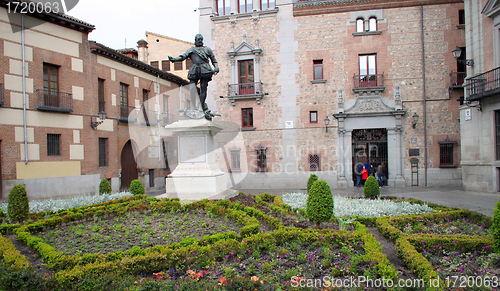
<point>222,281</point>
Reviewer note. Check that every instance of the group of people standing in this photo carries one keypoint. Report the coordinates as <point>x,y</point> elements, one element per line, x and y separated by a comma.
<point>365,170</point>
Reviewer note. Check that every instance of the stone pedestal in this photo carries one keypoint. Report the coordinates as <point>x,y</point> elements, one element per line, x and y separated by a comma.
<point>197,176</point>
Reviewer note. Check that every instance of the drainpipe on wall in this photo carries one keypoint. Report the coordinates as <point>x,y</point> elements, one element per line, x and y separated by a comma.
<point>158,116</point>
<point>423,91</point>
<point>24,92</point>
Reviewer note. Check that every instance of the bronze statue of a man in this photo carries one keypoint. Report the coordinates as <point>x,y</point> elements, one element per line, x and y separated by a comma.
<point>200,70</point>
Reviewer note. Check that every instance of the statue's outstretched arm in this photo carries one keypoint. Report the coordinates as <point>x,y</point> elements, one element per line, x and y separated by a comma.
<point>179,58</point>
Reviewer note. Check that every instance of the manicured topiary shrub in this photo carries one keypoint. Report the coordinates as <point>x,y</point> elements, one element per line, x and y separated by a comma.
<point>313,178</point>
<point>372,189</point>
<point>19,207</point>
<point>136,187</point>
<point>319,203</point>
<point>495,228</point>
<point>104,187</point>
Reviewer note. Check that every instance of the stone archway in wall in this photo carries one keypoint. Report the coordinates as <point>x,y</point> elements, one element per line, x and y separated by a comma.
<point>368,112</point>
<point>129,166</point>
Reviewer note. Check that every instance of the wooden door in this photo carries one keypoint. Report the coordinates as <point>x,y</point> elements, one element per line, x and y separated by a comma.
<point>129,166</point>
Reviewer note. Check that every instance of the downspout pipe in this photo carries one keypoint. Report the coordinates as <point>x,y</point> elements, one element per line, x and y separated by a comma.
<point>24,91</point>
<point>424,104</point>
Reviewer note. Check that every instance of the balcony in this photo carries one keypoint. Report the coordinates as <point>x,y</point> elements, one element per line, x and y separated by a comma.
<point>1,94</point>
<point>54,101</point>
<point>483,85</point>
<point>128,114</point>
<point>369,83</point>
<point>457,79</point>
<point>245,91</point>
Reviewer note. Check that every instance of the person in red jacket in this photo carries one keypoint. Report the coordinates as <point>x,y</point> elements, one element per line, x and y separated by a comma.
<point>364,175</point>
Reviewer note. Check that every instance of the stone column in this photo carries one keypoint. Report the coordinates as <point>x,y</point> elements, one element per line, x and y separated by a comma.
<point>395,159</point>
<point>341,168</point>
<point>347,154</point>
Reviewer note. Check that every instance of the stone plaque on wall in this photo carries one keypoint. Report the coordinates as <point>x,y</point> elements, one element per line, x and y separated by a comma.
<point>414,152</point>
<point>192,149</point>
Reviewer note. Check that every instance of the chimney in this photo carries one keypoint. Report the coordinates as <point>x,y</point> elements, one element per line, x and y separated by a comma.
<point>143,51</point>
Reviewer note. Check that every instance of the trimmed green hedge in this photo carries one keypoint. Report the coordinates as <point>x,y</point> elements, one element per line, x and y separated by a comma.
<point>10,258</point>
<point>18,208</point>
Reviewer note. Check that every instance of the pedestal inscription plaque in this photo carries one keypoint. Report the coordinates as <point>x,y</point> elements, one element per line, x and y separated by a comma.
<point>192,149</point>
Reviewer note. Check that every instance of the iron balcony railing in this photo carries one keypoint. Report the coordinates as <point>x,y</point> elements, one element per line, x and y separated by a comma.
<point>457,79</point>
<point>483,85</point>
<point>245,89</point>
<point>52,100</point>
<point>1,94</point>
<point>128,113</point>
<point>368,81</point>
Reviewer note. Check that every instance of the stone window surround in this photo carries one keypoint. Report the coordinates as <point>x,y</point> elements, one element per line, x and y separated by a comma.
<point>235,153</point>
<point>366,16</point>
<point>245,52</point>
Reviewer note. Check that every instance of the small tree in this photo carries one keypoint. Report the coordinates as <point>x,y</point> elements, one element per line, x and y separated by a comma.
<point>319,203</point>
<point>371,189</point>
<point>104,187</point>
<point>19,207</point>
<point>313,178</point>
<point>495,228</point>
<point>136,187</point>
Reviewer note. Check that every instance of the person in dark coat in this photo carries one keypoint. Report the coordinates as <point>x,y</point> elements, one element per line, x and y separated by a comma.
<point>372,170</point>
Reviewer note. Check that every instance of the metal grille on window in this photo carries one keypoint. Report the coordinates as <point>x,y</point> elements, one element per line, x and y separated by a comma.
<point>53,148</point>
<point>261,158</point>
<point>151,177</point>
<point>314,163</point>
<point>235,159</point>
<point>446,149</point>
<point>103,152</point>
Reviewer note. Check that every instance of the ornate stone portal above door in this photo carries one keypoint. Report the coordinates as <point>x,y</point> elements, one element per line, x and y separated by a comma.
<point>369,111</point>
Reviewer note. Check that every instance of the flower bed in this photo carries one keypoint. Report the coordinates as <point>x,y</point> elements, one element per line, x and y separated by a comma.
<point>135,229</point>
<point>429,255</point>
<point>347,207</point>
<point>227,259</point>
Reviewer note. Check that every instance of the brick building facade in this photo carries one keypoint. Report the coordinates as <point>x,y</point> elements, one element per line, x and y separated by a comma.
<point>380,71</point>
<point>61,148</point>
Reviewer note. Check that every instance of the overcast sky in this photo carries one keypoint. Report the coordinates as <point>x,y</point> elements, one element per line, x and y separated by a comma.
<point>117,20</point>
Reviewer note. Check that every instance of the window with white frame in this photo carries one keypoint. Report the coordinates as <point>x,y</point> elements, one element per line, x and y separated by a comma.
<point>372,24</point>
<point>360,25</point>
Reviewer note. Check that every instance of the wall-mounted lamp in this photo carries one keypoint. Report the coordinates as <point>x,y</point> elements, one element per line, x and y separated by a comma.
<point>95,124</point>
<point>457,52</point>
<point>415,119</point>
<point>327,122</point>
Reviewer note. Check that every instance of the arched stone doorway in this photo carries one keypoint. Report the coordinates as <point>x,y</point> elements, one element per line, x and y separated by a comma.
<point>129,166</point>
